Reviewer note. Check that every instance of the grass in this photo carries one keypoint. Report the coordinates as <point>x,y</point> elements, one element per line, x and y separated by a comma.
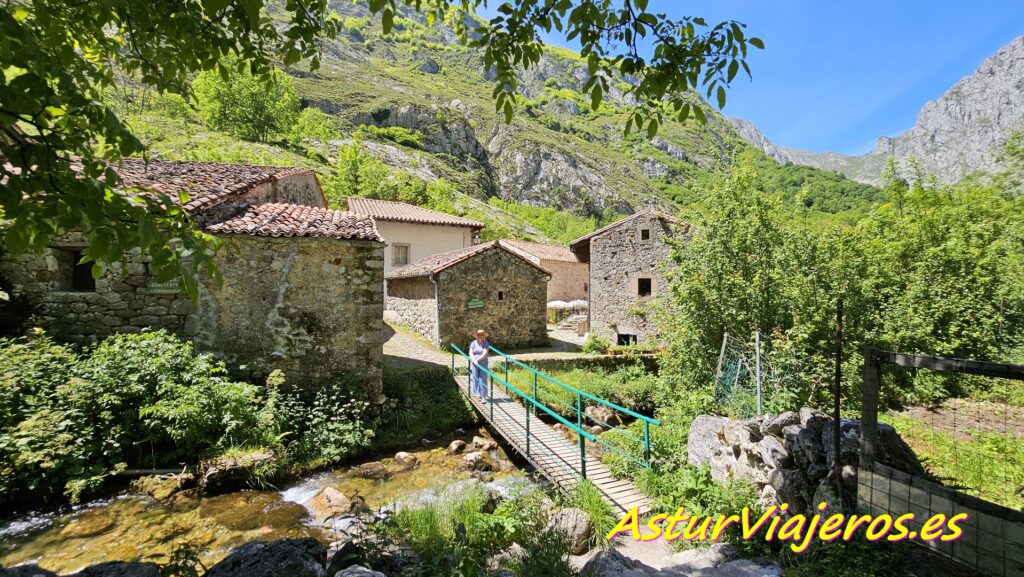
<point>630,386</point>
<point>985,464</point>
<point>426,403</point>
<point>587,498</point>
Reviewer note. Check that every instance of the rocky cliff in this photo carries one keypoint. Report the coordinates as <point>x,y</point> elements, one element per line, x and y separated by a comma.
<point>959,133</point>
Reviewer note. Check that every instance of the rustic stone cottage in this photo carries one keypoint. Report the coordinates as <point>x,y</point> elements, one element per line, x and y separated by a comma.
<point>412,232</point>
<point>447,296</point>
<point>625,277</point>
<point>301,289</point>
<point>569,277</point>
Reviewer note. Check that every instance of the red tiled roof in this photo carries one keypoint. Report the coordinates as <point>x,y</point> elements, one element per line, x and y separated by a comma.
<point>541,251</point>
<point>583,239</point>
<point>207,183</point>
<point>438,262</point>
<point>276,219</point>
<point>389,210</point>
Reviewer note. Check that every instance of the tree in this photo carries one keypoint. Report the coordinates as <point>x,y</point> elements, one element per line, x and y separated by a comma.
<point>313,125</point>
<point>245,105</point>
<point>60,143</point>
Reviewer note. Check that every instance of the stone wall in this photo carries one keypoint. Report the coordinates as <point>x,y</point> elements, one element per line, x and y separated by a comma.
<point>618,258</point>
<point>569,280</point>
<point>790,457</point>
<point>119,304</point>
<point>311,307</point>
<point>414,302</point>
<point>515,318</point>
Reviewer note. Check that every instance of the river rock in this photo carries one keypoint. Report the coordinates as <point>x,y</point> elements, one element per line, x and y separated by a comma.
<point>344,553</point>
<point>287,557</point>
<point>372,470</point>
<point>120,569</point>
<point>328,504</point>
<point>508,556</point>
<point>32,570</point>
<point>574,526</point>
<point>233,473</point>
<point>476,461</point>
<point>603,415</point>
<point>162,487</point>
<point>88,523</point>
<point>484,444</point>
<point>358,571</point>
<point>456,447</point>
<point>406,461</point>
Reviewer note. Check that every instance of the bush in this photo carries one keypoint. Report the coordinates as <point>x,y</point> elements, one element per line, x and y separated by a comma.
<point>595,345</point>
<point>422,402</point>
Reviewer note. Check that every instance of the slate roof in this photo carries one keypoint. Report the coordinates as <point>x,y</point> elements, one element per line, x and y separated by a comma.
<point>541,251</point>
<point>277,219</point>
<point>388,210</point>
<point>439,262</point>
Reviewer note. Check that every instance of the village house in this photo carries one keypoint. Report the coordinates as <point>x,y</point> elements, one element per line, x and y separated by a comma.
<point>446,297</point>
<point>301,286</point>
<point>569,277</point>
<point>625,261</point>
<point>412,232</point>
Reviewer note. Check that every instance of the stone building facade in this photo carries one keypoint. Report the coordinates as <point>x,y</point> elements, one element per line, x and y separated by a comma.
<point>570,278</point>
<point>449,296</point>
<point>301,287</point>
<point>626,278</point>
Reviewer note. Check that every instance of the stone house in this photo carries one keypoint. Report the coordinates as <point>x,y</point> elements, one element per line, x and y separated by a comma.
<point>283,256</point>
<point>412,232</point>
<point>625,274</point>
<point>569,277</point>
<point>446,297</point>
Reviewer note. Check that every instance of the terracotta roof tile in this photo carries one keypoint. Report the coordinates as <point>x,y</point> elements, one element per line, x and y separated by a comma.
<point>207,183</point>
<point>541,251</point>
<point>276,219</point>
<point>389,210</point>
<point>439,262</point>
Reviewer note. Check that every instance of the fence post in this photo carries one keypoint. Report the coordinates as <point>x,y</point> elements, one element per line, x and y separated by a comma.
<point>721,356</point>
<point>490,399</point>
<point>869,407</point>
<point>647,443</point>
<point>534,406</point>
<point>527,433</point>
<point>583,454</point>
<point>505,363</point>
<point>757,353</point>
<point>469,378</point>
<point>579,410</point>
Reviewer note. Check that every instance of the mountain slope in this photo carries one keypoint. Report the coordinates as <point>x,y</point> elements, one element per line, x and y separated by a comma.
<point>959,133</point>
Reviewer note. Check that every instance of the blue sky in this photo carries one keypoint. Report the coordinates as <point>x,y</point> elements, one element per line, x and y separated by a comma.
<point>836,75</point>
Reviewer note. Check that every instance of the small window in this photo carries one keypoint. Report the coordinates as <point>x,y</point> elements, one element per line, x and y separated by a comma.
<point>625,340</point>
<point>400,254</point>
<point>81,274</point>
<point>643,287</point>
<point>645,234</point>
<point>501,295</point>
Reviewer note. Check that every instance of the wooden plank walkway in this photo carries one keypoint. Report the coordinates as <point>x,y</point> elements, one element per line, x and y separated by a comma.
<point>550,453</point>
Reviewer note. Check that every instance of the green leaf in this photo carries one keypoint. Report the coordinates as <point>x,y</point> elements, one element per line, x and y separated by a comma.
<point>595,97</point>
<point>756,42</point>
<point>652,128</point>
<point>721,96</point>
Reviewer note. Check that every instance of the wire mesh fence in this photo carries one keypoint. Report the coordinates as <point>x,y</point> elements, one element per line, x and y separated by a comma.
<point>744,378</point>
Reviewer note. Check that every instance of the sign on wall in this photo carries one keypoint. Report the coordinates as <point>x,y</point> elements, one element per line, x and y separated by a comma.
<point>475,303</point>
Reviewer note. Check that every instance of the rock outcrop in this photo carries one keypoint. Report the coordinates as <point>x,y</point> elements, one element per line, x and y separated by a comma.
<point>789,457</point>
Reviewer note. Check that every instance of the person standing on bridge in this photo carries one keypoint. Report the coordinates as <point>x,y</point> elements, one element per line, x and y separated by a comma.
<point>478,351</point>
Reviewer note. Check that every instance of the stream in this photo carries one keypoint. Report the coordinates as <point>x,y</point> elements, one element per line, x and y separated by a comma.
<point>132,526</point>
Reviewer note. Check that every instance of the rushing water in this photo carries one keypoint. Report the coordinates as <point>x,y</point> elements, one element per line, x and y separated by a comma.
<point>135,527</point>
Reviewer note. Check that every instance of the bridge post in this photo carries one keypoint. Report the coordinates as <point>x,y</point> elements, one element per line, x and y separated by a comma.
<point>579,410</point>
<point>534,407</point>
<point>647,443</point>
<point>490,400</point>
<point>527,432</point>
<point>583,454</point>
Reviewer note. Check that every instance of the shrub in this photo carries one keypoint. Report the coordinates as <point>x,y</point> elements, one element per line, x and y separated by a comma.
<point>595,345</point>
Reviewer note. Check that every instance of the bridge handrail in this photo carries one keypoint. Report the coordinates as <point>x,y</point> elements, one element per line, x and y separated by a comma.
<point>633,414</point>
<point>533,401</point>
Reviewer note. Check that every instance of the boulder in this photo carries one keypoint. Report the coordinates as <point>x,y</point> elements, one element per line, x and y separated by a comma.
<point>574,526</point>
<point>612,563</point>
<point>372,470</point>
<point>791,487</point>
<point>703,441</point>
<point>328,504</point>
<point>120,569</point>
<point>32,570</point>
<point>456,447</point>
<point>232,473</point>
<point>162,487</point>
<point>603,415</point>
<point>344,553</point>
<point>358,571</point>
<point>287,557</point>
<point>476,461</point>
<point>430,66</point>
<point>773,453</point>
<point>511,555</point>
<point>484,444</point>
<point>406,461</point>
<point>775,425</point>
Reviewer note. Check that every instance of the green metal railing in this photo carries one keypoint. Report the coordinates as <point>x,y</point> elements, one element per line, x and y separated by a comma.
<point>579,409</point>
<point>533,401</point>
<point>582,435</point>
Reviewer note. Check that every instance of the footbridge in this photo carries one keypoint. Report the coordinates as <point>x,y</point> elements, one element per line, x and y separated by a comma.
<point>547,422</point>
